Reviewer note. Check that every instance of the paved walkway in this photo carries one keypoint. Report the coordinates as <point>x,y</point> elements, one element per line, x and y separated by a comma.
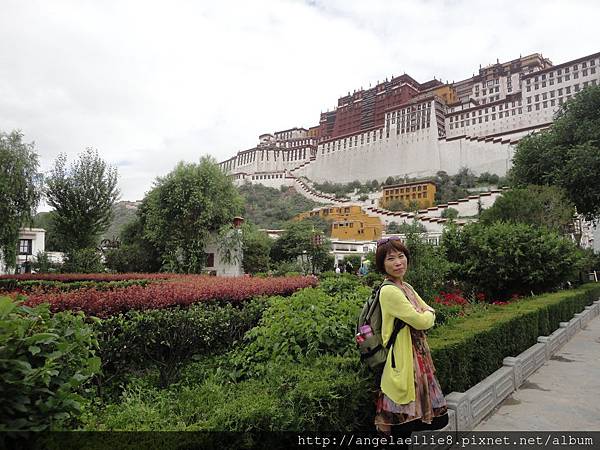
<point>563,395</point>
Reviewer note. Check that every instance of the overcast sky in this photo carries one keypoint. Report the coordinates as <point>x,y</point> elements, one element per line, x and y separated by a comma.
<point>150,83</point>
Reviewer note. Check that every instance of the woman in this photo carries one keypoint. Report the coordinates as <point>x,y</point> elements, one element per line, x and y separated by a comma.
<point>410,397</point>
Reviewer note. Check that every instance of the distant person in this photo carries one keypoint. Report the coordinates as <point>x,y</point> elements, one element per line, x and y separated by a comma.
<point>363,270</point>
<point>409,397</point>
<point>349,267</point>
<point>338,270</point>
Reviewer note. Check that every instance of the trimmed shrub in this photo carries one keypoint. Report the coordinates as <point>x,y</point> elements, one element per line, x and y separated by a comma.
<point>468,350</point>
<point>308,324</point>
<point>167,339</point>
<point>506,258</point>
<point>45,361</point>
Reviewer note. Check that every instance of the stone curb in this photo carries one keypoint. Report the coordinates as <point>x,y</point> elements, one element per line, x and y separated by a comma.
<point>467,409</point>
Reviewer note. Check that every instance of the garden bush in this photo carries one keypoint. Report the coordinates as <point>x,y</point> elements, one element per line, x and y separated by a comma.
<point>506,258</point>
<point>85,260</point>
<point>326,390</point>
<point>45,361</point>
<point>323,394</point>
<point>166,339</point>
<point>307,324</point>
<point>468,350</point>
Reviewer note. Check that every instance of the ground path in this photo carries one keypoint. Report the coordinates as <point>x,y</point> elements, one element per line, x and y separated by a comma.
<point>563,395</point>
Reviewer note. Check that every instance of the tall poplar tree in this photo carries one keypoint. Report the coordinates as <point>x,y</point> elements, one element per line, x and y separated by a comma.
<point>20,189</point>
<point>82,195</point>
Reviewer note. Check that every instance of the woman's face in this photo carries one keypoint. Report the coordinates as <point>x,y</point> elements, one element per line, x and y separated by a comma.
<point>395,264</point>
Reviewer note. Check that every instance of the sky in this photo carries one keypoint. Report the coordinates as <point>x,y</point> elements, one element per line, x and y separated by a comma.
<point>150,83</point>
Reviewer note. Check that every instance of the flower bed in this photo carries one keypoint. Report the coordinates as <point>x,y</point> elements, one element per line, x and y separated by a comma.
<point>177,291</point>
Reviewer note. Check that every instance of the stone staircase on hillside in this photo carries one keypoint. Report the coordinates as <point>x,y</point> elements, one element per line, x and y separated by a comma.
<point>304,164</point>
<point>312,194</point>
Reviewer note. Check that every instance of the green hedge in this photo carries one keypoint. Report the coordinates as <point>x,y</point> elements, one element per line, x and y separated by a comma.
<point>166,339</point>
<point>466,351</point>
<point>330,390</point>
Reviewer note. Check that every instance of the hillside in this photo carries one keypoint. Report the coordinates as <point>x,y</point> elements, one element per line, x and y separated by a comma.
<point>124,212</point>
<point>269,208</point>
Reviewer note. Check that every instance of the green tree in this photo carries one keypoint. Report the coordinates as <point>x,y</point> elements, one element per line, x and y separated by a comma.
<point>566,155</point>
<point>298,242</point>
<point>544,206</point>
<point>20,189</point>
<point>449,213</point>
<point>465,178</point>
<point>392,227</point>
<point>256,249</point>
<point>448,189</point>
<point>395,205</point>
<point>428,269</point>
<point>136,253</point>
<point>82,196</point>
<point>83,260</point>
<point>505,258</point>
<point>184,207</point>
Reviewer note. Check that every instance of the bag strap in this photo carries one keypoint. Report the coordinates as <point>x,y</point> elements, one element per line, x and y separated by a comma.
<point>375,295</point>
<point>398,325</point>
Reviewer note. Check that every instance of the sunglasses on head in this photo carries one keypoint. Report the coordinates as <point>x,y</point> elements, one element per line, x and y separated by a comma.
<point>387,239</point>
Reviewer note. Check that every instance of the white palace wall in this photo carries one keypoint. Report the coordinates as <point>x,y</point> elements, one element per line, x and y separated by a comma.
<point>415,154</point>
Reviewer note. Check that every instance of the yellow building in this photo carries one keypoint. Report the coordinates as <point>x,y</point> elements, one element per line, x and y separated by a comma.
<point>348,222</point>
<point>447,92</point>
<point>422,193</point>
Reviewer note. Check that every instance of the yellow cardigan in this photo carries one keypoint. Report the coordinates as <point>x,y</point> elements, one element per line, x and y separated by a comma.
<point>399,383</point>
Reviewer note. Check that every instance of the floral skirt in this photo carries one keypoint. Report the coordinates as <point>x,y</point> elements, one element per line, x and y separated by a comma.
<point>429,399</point>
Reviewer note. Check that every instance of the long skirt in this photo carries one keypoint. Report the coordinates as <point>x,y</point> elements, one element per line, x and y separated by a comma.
<point>429,407</point>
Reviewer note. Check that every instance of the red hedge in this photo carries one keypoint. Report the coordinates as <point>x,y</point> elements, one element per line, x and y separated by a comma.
<point>70,277</point>
<point>179,291</point>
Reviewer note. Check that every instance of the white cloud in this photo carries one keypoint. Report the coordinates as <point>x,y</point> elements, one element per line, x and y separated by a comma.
<point>150,83</point>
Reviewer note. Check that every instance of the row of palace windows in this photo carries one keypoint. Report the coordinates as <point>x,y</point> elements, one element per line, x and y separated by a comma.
<point>409,110</point>
<point>287,156</point>
<point>561,79</point>
<point>419,188</point>
<point>414,116</point>
<point>267,177</point>
<point>559,92</point>
<point>502,106</point>
<point>486,118</point>
<point>348,142</point>
<point>583,66</point>
<point>407,196</point>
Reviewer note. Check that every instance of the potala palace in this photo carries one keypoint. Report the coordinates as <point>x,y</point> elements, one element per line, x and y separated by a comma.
<point>409,129</point>
<point>402,127</point>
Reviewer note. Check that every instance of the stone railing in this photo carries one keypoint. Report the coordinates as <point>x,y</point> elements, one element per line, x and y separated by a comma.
<point>467,409</point>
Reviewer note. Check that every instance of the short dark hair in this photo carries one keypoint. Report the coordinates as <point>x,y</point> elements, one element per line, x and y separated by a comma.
<point>384,249</point>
